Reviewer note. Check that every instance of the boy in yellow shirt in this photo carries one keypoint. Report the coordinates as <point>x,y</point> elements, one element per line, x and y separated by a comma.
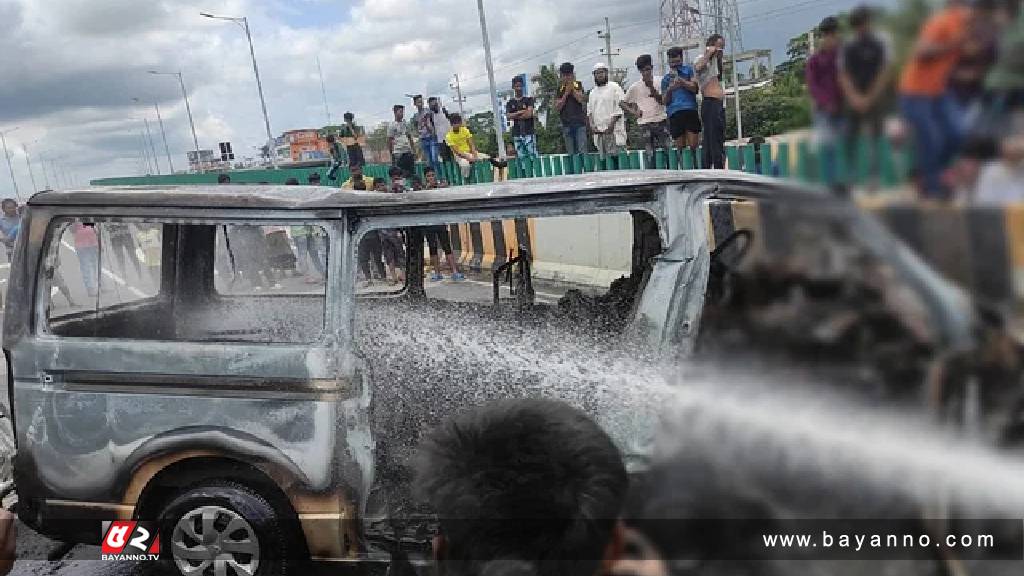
<point>460,140</point>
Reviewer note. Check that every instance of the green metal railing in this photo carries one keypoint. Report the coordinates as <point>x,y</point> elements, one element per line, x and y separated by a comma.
<point>839,164</point>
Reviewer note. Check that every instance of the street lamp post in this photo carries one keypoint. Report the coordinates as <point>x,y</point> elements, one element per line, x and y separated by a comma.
<point>244,23</point>
<point>31,175</point>
<point>188,109</point>
<point>3,138</point>
<point>499,128</point>
<point>149,137</point>
<point>163,134</point>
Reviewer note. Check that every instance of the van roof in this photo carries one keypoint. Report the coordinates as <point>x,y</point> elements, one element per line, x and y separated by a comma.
<point>320,197</point>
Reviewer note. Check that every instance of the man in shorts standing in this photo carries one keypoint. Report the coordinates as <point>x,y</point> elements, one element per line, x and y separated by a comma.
<point>680,98</point>
<point>438,238</point>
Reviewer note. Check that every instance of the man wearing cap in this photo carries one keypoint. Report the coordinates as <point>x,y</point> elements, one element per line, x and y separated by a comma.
<point>605,115</point>
<point>570,105</point>
<point>423,120</point>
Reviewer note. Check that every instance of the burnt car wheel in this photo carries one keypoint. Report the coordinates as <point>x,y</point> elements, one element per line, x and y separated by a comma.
<point>224,528</point>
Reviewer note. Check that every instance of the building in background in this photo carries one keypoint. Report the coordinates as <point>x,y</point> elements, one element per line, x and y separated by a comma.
<point>205,160</point>
<point>303,145</point>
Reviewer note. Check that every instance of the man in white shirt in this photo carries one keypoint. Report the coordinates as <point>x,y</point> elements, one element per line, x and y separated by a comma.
<point>644,102</point>
<point>605,115</point>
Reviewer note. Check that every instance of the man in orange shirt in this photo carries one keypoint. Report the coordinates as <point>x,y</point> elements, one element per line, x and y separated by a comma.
<point>924,100</point>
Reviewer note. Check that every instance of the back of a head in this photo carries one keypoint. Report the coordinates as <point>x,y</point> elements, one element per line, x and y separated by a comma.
<point>566,68</point>
<point>530,480</point>
<point>829,25</point>
<point>223,179</point>
<point>860,16</point>
<point>349,116</point>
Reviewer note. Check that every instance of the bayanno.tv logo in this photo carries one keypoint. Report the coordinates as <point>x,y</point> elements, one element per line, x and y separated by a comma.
<point>130,540</point>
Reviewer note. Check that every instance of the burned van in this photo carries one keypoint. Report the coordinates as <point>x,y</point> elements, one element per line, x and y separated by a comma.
<point>228,363</point>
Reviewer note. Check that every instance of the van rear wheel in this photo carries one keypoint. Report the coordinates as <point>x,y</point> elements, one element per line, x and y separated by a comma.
<point>222,527</point>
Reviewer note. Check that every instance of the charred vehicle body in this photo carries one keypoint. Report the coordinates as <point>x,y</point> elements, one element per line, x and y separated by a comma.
<point>273,423</point>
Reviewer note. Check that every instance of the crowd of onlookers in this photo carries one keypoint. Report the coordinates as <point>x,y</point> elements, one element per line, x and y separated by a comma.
<point>959,96</point>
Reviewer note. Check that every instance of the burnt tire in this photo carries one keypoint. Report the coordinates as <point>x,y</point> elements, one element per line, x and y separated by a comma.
<point>226,523</point>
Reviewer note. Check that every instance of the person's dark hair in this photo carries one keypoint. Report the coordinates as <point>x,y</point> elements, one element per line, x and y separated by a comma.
<point>416,183</point>
<point>860,16</point>
<point>223,179</point>
<point>455,118</point>
<point>331,139</point>
<point>674,52</point>
<point>314,177</point>
<point>517,80</point>
<point>643,61</point>
<point>359,184</point>
<point>566,68</point>
<point>829,25</point>
<point>397,107</point>
<point>530,480</point>
<point>349,116</point>
<point>713,39</point>
<point>395,172</point>
<point>429,170</point>
<point>417,97</point>
<point>291,182</point>
<point>432,99</point>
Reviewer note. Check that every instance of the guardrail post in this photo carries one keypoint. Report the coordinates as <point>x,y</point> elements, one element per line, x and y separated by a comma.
<point>673,158</point>
<point>803,161</point>
<point>687,159</point>
<point>749,163</point>
<point>546,163</point>
<point>732,155</point>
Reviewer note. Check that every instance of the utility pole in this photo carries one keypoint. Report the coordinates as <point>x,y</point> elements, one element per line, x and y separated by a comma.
<point>499,126</point>
<point>607,50</point>
<point>458,94</point>
<point>3,138</point>
<point>28,162</point>
<point>188,109</point>
<point>323,91</point>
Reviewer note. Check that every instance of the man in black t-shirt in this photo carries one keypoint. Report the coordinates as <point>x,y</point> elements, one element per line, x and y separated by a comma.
<point>520,111</point>
<point>863,76</point>
<point>571,106</point>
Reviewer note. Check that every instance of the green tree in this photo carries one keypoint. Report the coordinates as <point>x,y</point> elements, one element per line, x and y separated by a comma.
<point>549,127</point>
<point>481,125</point>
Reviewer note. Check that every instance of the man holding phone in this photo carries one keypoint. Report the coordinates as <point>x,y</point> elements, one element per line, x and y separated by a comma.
<point>571,108</point>
<point>680,97</point>
<point>712,108</point>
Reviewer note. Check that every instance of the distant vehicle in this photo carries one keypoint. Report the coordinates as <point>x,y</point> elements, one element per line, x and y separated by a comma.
<point>251,421</point>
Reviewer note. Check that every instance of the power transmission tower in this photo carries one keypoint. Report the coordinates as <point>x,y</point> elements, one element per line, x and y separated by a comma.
<point>723,17</point>
<point>680,26</point>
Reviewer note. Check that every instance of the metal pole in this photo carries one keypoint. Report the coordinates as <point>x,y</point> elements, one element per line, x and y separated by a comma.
<point>152,148</point>
<point>145,156</point>
<point>163,135</point>
<point>458,94</point>
<point>28,162</point>
<point>42,168</point>
<point>263,102</point>
<point>608,43</point>
<point>499,126</point>
<point>735,82</point>
<point>323,90</point>
<point>3,137</point>
<point>188,109</point>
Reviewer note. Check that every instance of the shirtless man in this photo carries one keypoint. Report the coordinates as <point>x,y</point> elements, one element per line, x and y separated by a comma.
<point>712,109</point>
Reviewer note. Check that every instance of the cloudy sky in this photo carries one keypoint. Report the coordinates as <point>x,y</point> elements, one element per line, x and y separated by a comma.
<point>69,69</point>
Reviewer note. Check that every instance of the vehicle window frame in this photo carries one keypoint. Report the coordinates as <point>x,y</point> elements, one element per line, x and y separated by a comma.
<point>58,223</point>
<point>361,224</point>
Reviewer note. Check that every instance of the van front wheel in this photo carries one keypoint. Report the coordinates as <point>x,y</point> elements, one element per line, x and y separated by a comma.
<point>223,528</point>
